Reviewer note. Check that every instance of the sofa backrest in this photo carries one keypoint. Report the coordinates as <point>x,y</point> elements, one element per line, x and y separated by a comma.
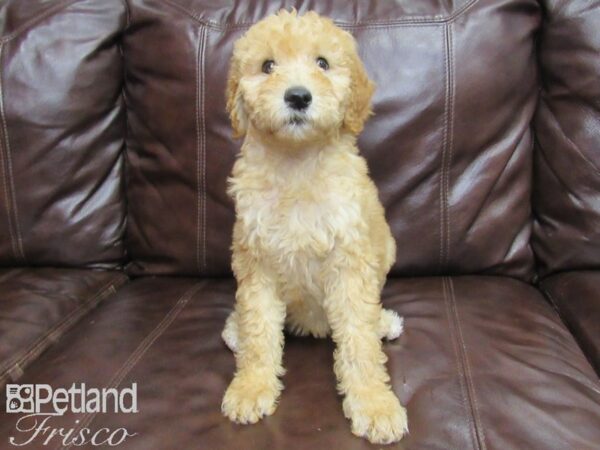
<point>567,158</point>
<point>450,145</point>
<point>62,127</point>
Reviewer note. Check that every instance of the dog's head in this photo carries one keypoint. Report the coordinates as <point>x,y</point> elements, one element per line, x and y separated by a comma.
<point>297,78</point>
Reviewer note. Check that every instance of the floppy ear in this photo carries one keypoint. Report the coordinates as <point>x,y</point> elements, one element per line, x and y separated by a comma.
<point>235,104</point>
<point>361,91</point>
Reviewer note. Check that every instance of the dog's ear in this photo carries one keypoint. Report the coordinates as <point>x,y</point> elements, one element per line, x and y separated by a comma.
<point>361,91</point>
<point>235,103</point>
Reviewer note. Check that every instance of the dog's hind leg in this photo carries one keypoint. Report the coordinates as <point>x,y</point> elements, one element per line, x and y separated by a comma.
<point>230,332</point>
<point>390,325</point>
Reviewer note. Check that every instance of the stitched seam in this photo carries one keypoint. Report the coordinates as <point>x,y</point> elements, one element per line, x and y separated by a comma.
<point>8,154</point>
<point>436,19</point>
<point>442,180</point>
<point>123,153</point>
<point>53,335</point>
<point>458,366</point>
<point>141,350</point>
<point>7,202</point>
<point>449,134</point>
<point>127,13</point>
<point>203,123</point>
<point>471,395</point>
<point>200,155</point>
<point>11,206</point>
<point>197,110</point>
<point>50,11</point>
<point>392,26</point>
<point>100,293</point>
<point>56,331</point>
<point>5,175</point>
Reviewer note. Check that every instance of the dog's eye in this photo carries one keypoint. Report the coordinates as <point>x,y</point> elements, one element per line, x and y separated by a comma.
<point>322,63</point>
<point>268,66</point>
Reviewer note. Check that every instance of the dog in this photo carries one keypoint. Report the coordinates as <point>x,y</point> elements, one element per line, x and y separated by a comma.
<point>311,247</point>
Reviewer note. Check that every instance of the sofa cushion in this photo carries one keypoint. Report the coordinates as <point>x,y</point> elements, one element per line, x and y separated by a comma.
<point>484,363</point>
<point>576,297</point>
<point>37,307</point>
<point>449,146</point>
<point>62,127</point>
<point>567,122</point>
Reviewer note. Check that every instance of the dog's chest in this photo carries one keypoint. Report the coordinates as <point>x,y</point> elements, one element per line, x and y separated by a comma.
<point>297,226</point>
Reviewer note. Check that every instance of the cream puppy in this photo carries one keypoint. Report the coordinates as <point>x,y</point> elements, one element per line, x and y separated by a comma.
<point>311,247</point>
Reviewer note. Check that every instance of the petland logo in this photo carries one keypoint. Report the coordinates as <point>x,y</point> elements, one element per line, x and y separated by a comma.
<point>41,403</point>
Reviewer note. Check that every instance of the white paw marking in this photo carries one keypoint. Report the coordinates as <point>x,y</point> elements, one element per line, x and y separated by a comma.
<point>396,326</point>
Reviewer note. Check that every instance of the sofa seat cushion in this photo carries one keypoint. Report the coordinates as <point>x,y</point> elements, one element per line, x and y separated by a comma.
<point>37,306</point>
<point>484,363</point>
<point>576,296</point>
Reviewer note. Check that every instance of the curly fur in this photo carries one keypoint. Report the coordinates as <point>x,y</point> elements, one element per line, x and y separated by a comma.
<point>311,247</point>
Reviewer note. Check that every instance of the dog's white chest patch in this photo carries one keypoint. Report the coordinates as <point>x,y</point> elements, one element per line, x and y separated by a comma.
<point>297,229</point>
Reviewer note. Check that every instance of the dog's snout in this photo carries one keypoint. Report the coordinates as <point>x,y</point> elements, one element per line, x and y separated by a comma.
<point>298,97</point>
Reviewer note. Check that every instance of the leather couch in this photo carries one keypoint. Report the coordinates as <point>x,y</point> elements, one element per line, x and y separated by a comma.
<point>115,227</point>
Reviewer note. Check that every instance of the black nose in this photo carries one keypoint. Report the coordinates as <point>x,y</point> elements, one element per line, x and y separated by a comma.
<point>298,97</point>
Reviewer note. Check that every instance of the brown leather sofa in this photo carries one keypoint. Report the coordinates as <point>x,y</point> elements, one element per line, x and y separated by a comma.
<point>115,226</point>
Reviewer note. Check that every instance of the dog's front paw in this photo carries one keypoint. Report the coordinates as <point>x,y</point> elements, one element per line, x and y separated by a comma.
<point>379,416</point>
<point>250,397</point>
